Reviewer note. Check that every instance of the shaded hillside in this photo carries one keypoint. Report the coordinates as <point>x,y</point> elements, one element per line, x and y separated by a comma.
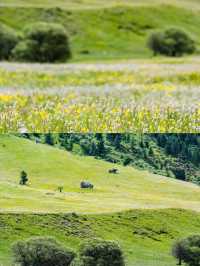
<point>172,155</point>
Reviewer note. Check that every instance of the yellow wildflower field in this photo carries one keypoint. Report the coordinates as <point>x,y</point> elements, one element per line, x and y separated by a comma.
<point>126,97</point>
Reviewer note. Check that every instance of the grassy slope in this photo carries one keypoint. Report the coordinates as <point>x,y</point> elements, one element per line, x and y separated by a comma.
<point>108,33</point>
<point>145,236</point>
<point>49,168</point>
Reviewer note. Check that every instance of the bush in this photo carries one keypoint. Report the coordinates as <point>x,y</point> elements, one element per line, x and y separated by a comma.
<point>42,251</point>
<point>101,253</point>
<point>23,178</point>
<point>171,42</point>
<point>8,40</point>
<point>43,42</point>
<point>188,250</point>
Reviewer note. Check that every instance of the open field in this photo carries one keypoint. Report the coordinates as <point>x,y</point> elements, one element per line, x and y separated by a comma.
<point>49,168</point>
<point>146,232</point>
<point>117,96</point>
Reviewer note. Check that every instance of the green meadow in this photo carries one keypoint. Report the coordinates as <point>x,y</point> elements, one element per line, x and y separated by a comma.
<point>48,168</point>
<point>146,236</point>
<point>144,212</point>
<point>107,30</point>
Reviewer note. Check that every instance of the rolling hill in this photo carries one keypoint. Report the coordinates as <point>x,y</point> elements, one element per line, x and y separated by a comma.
<point>48,168</point>
<point>109,29</point>
<point>146,213</point>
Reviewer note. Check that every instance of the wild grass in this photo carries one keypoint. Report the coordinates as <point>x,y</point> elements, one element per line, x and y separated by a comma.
<point>104,97</point>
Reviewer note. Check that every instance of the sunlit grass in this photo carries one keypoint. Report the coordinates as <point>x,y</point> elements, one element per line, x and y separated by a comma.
<point>49,168</point>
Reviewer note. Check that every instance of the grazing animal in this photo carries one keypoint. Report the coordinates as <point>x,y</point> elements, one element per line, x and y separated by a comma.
<point>37,141</point>
<point>113,171</point>
<point>85,184</point>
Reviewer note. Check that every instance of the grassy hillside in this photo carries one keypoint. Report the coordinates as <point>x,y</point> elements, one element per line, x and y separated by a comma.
<point>146,236</point>
<point>145,233</point>
<point>173,155</point>
<point>109,32</point>
<point>49,168</point>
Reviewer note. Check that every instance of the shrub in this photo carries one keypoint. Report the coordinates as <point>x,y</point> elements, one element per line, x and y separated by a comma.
<point>171,42</point>
<point>42,251</point>
<point>24,51</point>
<point>101,253</point>
<point>188,250</point>
<point>23,178</point>
<point>43,42</point>
<point>8,40</point>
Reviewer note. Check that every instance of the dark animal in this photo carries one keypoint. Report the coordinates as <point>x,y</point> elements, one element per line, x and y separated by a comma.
<point>85,184</point>
<point>113,171</point>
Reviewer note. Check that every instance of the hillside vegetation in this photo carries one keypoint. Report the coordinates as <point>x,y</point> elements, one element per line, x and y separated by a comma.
<point>48,168</point>
<point>146,236</point>
<point>107,31</point>
<point>146,232</point>
<point>172,155</point>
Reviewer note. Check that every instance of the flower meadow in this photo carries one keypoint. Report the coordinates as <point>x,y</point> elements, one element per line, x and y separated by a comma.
<point>95,99</point>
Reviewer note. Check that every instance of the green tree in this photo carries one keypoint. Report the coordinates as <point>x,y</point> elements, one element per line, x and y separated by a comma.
<point>187,250</point>
<point>43,42</point>
<point>23,178</point>
<point>171,42</point>
<point>102,253</point>
<point>41,251</point>
<point>8,40</point>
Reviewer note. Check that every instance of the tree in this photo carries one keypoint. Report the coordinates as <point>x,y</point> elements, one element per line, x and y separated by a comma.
<point>8,40</point>
<point>178,251</point>
<point>171,42</point>
<point>100,144</point>
<point>60,189</point>
<point>102,253</point>
<point>41,251</point>
<point>187,250</point>
<point>49,139</point>
<point>43,42</point>
<point>155,41</point>
<point>23,178</point>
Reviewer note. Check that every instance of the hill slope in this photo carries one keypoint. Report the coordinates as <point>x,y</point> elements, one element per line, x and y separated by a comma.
<point>49,168</point>
<point>146,236</point>
<point>173,155</point>
<point>107,31</point>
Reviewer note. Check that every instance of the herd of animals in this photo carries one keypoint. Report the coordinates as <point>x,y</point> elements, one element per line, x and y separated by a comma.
<point>86,184</point>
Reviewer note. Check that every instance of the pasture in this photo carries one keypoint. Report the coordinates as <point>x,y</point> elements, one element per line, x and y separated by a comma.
<point>49,168</point>
<point>145,213</point>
